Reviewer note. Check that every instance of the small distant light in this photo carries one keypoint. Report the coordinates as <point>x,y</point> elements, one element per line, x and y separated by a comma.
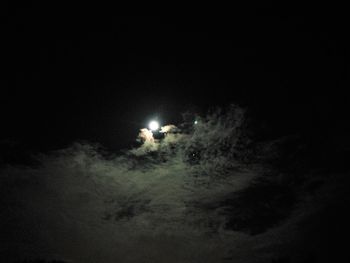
<point>195,122</point>
<point>153,125</point>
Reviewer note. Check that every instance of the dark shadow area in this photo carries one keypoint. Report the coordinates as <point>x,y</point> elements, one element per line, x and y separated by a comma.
<point>41,261</point>
<point>259,207</point>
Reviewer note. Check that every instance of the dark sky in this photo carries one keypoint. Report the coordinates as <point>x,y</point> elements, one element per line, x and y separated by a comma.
<point>73,74</point>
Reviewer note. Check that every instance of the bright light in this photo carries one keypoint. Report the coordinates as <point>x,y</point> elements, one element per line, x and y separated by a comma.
<point>153,125</point>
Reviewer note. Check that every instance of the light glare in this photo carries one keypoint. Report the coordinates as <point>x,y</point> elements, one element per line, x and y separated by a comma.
<point>153,125</point>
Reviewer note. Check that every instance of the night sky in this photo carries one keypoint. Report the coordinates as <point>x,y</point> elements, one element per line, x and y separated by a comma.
<point>89,75</point>
<point>71,75</point>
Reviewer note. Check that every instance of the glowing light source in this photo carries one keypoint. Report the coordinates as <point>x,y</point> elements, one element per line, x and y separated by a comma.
<point>153,125</point>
